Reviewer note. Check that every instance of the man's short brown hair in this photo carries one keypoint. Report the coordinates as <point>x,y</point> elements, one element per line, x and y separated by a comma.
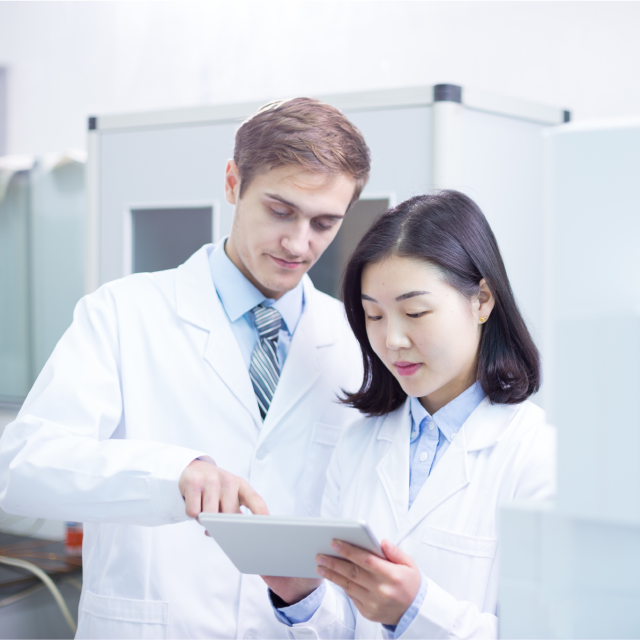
<point>304,132</point>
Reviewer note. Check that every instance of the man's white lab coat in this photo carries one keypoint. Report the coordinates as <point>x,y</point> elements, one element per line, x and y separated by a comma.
<point>502,453</point>
<point>149,377</point>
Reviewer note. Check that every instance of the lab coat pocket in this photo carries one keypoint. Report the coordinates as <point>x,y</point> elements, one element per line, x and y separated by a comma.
<point>323,441</point>
<point>106,617</point>
<point>458,563</point>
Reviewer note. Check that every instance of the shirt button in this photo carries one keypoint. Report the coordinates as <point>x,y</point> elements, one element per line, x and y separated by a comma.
<point>453,435</point>
<point>423,456</point>
<point>432,426</point>
<point>249,635</point>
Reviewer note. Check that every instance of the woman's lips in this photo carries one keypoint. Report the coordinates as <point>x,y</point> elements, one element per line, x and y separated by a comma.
<point>407,368</point>
<point>284,263</point>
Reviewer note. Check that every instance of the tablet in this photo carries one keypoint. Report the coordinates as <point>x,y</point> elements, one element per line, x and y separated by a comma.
<point>283,546</point>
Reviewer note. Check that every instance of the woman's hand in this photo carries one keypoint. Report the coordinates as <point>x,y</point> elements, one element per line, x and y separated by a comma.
<point>381,590</point>
<point>292,590</point>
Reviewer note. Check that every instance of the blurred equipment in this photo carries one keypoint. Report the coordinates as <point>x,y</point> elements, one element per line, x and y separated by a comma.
<point>29,565</point>
<point>42,205</point>
<point>572,570</point>
<point>420,138</point>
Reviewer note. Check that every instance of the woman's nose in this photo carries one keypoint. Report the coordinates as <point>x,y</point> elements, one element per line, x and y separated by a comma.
<point>396,338</point>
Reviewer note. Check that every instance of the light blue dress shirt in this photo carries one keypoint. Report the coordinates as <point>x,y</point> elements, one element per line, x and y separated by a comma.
<point>430,438</point>
<point>238,296</point>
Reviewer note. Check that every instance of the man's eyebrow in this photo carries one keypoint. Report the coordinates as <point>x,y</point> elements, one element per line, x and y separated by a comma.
<point>411,294</point>
<point>284,201</point>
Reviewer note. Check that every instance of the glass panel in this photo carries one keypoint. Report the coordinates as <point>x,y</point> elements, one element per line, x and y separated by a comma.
<point>326,274</point>
<point>165,238</point>
<point>15,356</point>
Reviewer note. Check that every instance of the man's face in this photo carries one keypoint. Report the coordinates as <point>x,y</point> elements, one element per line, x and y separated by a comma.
<point>284,221</point>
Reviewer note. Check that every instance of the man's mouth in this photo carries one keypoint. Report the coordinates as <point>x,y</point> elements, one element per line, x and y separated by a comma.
<point>287,264</point>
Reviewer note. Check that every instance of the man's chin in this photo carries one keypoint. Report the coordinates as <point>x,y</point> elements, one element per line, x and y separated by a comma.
<point>281,285</point>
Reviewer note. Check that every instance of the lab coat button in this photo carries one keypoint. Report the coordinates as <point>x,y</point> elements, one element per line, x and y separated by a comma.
<point>249,635</point>
<point>262,453</point>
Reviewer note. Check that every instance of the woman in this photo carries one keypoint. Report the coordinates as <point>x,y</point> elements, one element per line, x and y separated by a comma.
<point>450,435</point>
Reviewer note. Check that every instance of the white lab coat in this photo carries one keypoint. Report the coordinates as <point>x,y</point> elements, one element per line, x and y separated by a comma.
<point>502,453</point>
<point>149,377</point>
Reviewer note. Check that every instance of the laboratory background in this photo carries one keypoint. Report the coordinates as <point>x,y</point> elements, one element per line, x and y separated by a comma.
<point>117,119</point>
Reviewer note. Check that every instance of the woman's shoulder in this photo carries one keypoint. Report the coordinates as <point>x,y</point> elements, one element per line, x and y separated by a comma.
<point>367,428</point>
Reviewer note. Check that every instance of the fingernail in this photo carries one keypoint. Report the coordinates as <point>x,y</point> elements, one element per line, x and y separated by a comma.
<point>321,560</point>
<point>320,571</point>
<point>336,545</point>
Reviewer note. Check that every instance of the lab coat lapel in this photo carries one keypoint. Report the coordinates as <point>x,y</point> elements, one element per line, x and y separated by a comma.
<point>449,476</point>
<point>301,368</point>
<point>393,468</point>
<point>198,303</point>
<point>484,428</point>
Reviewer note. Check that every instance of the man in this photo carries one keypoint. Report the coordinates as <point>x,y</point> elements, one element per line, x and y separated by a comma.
<point>201,388</point>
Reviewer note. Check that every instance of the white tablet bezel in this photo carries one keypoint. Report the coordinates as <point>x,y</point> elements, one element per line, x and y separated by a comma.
<point>283,546</point>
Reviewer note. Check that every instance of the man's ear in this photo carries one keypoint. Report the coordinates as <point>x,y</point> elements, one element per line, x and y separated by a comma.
<point>232,183</point>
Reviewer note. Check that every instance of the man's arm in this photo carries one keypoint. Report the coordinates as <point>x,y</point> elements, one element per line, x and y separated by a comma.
<point>62,457</point>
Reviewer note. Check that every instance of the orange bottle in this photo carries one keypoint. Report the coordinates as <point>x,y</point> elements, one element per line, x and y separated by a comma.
<point>73,540</point>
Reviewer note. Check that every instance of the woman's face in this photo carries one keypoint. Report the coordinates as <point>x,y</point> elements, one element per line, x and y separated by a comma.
<point>424,331</point>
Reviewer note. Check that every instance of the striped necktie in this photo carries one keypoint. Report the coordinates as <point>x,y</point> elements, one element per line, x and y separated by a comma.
<point>265,370</point>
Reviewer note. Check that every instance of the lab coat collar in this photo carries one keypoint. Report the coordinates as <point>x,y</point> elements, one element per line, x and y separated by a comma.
<point>302,366</point>
<point>198,304</point>
<point>484,428</point>
<point>488,424</point>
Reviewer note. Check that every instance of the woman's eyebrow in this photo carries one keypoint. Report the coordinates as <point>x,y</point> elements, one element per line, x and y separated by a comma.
<point>404,296</point>
<point>411,294</point>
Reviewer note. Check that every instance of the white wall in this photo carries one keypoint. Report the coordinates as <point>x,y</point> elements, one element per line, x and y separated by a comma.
<point>71,59</point>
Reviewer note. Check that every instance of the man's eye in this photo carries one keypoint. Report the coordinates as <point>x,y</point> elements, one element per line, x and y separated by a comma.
<point>324,226</point>
<point>277,212</point>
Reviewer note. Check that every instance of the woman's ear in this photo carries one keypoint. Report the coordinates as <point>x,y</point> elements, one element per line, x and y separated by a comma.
<point>486,302</point>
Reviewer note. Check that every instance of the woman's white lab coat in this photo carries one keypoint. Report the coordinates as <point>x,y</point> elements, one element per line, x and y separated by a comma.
<point>502,453</point>
<point>149,377</point>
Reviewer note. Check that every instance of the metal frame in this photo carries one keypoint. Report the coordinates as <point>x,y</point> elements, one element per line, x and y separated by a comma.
<point>4,102</point>
<point>357,101</point>
<point>128,226</point>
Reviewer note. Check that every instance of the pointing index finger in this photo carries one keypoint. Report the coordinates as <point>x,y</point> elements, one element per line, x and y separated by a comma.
<point>251,499</point>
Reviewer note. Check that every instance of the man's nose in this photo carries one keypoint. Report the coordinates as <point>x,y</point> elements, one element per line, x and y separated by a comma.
<point>296,242</point>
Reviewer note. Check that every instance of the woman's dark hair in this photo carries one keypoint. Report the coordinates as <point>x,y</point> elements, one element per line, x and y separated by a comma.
<point>448,230</point>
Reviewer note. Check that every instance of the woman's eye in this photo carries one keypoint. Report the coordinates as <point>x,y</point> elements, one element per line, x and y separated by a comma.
<point>373,317</point>
<point>417,315</point>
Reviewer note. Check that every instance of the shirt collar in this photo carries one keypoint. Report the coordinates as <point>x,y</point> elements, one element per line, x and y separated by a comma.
<point>239,296</point>
<point>452,416</point>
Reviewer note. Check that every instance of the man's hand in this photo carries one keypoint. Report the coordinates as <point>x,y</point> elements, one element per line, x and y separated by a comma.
<point>381,590</point>
<point>206,487</point>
